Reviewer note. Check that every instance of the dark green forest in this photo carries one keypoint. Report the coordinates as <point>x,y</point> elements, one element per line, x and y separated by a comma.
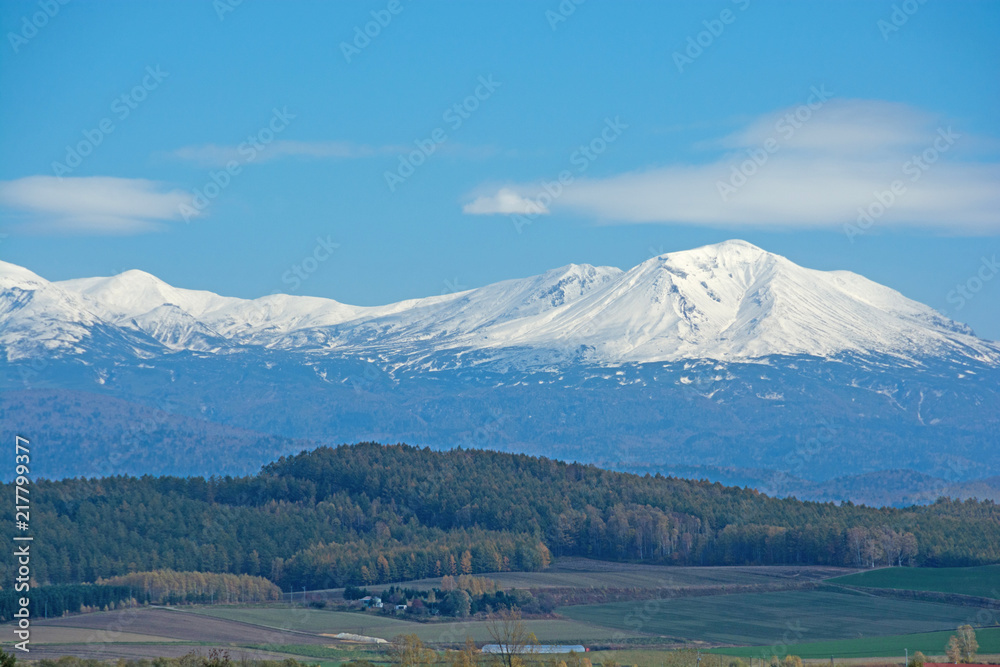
<point>368,513</point>
<point>54,601</point>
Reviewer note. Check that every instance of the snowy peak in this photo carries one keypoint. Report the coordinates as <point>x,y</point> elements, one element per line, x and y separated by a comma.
<point>726,251</point>
<point>731,300</point>
<point>738,263</point>
<point>175,316</point>
<point>12,275</point>
<point>734,300</point>
<point>39,319</point>
<point>134,293</point>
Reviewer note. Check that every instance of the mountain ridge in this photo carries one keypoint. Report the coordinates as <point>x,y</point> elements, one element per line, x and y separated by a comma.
<point>727,301</point>
<point>725,356</point>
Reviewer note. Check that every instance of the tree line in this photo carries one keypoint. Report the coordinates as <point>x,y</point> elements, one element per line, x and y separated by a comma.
<point>170,587</point>
<point>55,601</point>
<point>129,590</point>
<point>371,514</point>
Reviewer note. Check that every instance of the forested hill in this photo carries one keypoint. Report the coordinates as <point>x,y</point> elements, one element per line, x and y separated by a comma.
<point>369,513</point>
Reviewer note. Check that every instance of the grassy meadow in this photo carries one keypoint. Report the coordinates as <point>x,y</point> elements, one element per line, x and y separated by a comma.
<point>983,581</point>
<point>773,618</point>
<point>930,643</point>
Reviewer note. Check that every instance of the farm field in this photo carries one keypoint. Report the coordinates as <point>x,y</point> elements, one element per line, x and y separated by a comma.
<point>332,622</point>
<point>587,573</point>
<point>120,651</point>
<point>816,623</point>
<point>547,631</point>
<point>316,621</point>
<point>983,581</point>
<point>768,618</point>
<point>167,624</point>
<point>47,634</point>
<point>930,643</point>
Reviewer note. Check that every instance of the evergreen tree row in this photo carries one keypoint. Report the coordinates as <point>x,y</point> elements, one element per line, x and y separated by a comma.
<point>367,514</point>
<point>54,601</point>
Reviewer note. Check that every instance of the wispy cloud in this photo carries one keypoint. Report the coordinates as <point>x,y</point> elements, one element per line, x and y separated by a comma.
<point>506,202</point>
<point>91,205</point>
<point>212,155</point>
<point>839,127</point>
<point>816,169</point>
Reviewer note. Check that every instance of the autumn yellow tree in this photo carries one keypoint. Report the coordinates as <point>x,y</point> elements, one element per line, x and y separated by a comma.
<point>962,645</point>
<point>476,585</point>
<point>468,656</point>
<point>385,573</point>
<point>409,651</point>
<point>544,555</point>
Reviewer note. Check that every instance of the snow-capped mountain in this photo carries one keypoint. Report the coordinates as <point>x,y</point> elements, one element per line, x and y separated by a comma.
<point>729,301</point>
<point>722,358</point>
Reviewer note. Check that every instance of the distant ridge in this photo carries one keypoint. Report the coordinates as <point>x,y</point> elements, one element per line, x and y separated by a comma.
<point>727,301</point>
<point>724,358</point>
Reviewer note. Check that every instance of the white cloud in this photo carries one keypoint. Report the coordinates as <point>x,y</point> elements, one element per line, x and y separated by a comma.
<point>859,127</point>
<point>93,204</point>
<point>505,202</point>
<point>783,171</point>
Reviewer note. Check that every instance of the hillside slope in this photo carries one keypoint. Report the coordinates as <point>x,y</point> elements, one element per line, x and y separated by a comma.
<point>372,514</point>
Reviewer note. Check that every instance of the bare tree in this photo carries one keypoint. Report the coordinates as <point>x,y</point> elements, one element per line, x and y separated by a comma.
<point>909,548</point>
<point>509,631</point>
<point>409,651</point>
<point>891,545</point>
<point>856,543</point>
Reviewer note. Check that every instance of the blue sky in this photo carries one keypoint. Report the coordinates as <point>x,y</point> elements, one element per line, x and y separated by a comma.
<point>352,174</point>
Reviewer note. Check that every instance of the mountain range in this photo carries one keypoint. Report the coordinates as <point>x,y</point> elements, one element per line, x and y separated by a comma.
<point>725,361</point>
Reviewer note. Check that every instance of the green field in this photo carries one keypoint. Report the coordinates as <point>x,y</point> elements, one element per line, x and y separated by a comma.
<point>447,632</point>
<point>336,654</point>
<point>310,620</point>
<point>981,581</point>
<point>930,643</point>
<point>569,572</point>
<point>769,618</point>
